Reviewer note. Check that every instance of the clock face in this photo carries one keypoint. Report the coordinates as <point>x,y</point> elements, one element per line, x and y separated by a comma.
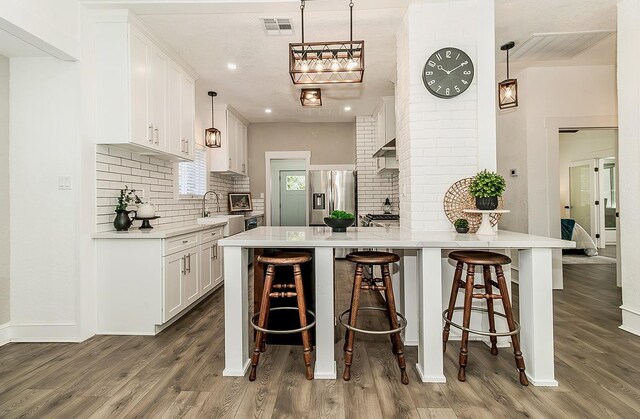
<point>448,73</point>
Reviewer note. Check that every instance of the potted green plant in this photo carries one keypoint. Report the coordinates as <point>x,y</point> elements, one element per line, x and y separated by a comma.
<point>339,221</point>
<point>122,222</point>
<point>486,187</point>
<point>461,225</point>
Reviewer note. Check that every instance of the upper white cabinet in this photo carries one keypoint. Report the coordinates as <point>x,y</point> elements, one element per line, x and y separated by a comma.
<point>145,95</point>
<point>231,157</point>
<point>385,116</point>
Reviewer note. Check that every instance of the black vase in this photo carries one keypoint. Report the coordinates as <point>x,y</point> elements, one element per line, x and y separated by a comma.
<point>462,230</point>
<point>487,204</point>
<point>122,222</point>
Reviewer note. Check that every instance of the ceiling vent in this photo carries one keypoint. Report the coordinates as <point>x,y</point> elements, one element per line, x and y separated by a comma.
<point>277,26</point>
<point>556,46</point>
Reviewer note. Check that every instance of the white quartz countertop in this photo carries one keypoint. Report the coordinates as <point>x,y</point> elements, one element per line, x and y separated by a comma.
<point>385,238</point>
<point>156,232</point>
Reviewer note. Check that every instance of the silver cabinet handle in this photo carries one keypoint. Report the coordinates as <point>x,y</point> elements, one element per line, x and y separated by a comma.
<point>229,163</point>
<point>215,248</point>
<point>151,134</point>
<point>189,261</point>
<point>186,143</point>
<point>243,167</point>
<point>182,145</point>
<point>212,251</point>
<point>184,265</point>
<point>156,132</point>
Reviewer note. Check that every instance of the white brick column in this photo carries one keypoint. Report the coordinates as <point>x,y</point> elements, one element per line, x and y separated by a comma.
<point>443,140</point>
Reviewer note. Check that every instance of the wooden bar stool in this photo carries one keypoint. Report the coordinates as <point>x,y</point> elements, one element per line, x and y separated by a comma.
<point>397,321</point>
<point>282,291</point>
<point>487,260</point>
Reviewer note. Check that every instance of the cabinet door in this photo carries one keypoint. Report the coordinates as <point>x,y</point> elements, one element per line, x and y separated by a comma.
<point>172,290</point>
<point>232,140</point>
<point>188,105</point>
<point>141,133</point>
<point>192,275</point>
<point>206,267</point>
<point>175,140</point>
<point>157,100</point>
<point>217,264</point>
<point>244,151</point>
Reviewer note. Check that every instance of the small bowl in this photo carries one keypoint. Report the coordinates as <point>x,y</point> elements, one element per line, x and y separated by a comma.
<point>339,225</point>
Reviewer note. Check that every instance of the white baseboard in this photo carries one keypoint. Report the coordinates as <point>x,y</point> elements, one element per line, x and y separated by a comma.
<point>630,320</point>
<point>5,334</point>
<point>41,332</point>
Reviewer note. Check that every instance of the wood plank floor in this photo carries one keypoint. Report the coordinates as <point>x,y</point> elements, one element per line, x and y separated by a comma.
<point>178,373</point>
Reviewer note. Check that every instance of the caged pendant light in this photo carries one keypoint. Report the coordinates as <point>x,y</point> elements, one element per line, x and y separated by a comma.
<point>311,97</point>
<point>212,136</point>
<point>327,62</point>
<point>508,89</point>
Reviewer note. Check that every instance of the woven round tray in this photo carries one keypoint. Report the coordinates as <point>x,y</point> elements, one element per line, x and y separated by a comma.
<point>458,199</point>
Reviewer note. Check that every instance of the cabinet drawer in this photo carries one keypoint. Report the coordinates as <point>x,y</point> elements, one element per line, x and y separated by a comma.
<point>211,234</point>
<point>180,243</point>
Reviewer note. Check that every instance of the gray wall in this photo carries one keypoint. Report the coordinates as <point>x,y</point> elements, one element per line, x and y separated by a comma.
<point>329,143</point>
<point>4,190</point>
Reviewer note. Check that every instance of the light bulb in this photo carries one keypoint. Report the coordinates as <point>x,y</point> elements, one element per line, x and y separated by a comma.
<point>335,66</point>
<point>304,65</point>
<point>352,64</point>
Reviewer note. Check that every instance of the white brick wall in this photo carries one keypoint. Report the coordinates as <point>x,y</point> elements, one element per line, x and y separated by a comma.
<point>438,140</point>
<point>373,188</point>
<point>117,168</point>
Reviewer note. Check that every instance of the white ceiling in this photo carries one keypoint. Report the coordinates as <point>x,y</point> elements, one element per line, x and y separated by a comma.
<point>209,36</point>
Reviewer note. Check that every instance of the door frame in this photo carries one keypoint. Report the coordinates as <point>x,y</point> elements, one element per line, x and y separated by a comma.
<point>282,155</point>
<point>595,226</point>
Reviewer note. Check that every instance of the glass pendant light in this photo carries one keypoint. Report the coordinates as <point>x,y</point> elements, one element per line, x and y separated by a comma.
<point>212,136</point>
<point>508,89</point>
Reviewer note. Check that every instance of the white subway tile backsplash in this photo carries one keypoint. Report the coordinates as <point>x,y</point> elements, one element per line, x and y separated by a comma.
<point>154,180</point>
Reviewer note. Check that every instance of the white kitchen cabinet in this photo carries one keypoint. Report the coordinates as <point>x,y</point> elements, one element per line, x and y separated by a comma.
<point>211,266</point>
<point>231,156</point>
<point>144,91</point>
<point>144,284</point>
<point>385,116</point>
<point>173,297</point>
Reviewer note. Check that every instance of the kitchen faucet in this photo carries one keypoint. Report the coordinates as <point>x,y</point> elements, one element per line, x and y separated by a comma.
<point>206,213</point>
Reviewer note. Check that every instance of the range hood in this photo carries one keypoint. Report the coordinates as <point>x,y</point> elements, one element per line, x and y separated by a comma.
<point>387,150</point>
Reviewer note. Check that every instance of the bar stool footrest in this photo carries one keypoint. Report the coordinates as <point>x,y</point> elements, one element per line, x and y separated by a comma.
<point>479,332</point>
<point>254,319</point>
<point>402,321</point>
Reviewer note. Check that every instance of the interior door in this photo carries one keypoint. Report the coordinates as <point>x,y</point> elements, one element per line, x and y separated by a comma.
<point>583,197</point>
<point>293,190</point>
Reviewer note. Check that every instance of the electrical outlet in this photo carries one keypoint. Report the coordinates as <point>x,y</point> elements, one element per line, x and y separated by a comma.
<point>514,172</point>
<point>64,183</point>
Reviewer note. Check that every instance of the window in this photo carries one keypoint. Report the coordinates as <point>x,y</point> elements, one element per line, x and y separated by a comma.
<point>192,176</point>
<point>296,183</point>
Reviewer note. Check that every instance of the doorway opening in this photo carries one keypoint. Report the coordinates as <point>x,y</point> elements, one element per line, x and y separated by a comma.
<point>589,194</point>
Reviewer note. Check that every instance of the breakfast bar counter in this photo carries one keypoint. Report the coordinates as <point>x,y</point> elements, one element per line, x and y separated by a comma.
<point>421,275</point>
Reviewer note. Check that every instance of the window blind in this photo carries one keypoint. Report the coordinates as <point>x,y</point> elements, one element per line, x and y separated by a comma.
<point>192,176</point>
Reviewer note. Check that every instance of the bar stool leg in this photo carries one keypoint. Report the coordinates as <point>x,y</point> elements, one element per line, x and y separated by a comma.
<point>466,318</point>
<point>396,339</point>
<point>486,270</point>
<point>353,317</point>
<point>268,282</point>
<point>353,296</point>
<point>515,340</point>
<point>457,276</point>
<point>302,312</point>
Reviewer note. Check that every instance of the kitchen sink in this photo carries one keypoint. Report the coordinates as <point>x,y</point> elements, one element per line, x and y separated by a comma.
<point>234,223</point>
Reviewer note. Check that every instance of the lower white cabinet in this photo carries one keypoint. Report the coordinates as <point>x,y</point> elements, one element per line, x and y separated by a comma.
<point>146,283</point>
<point>210,266</point>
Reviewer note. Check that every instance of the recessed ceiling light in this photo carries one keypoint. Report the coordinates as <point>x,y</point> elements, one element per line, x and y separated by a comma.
<point>268,110</point>
<point>232,66</point>
<point>347,108</point>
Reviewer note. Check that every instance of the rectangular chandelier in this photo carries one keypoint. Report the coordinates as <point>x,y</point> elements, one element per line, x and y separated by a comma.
<point>311,97</point>
<point>326,62</point>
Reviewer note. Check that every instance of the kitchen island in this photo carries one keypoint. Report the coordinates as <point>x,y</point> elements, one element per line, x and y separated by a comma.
<point>421,275</point>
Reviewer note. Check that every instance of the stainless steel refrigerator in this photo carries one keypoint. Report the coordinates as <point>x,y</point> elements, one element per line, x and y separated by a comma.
<point>331,190</point>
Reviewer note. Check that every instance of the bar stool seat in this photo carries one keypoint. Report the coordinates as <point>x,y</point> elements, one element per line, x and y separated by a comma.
<point>397,321</point>
<point>372,257</point>
<point>259,320</point>
<point>487,260</point>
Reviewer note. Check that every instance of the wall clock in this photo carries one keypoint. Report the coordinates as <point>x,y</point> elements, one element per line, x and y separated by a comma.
<point>448,72</point>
